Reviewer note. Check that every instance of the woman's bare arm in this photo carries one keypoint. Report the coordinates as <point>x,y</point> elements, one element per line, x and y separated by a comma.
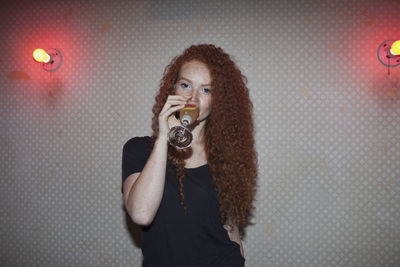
<point>143,191</point>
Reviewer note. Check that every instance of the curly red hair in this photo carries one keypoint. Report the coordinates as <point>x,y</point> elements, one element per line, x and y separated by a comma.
<point>228,135</point>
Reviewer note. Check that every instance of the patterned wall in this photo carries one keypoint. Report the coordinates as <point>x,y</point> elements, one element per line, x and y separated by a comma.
<point>326,114</point>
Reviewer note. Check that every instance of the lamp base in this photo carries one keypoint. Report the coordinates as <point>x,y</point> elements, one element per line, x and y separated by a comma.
<point>55,62</point>
<point>384,55</point>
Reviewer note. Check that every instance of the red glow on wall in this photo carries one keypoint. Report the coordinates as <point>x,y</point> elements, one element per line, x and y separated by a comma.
<point>34,31</point>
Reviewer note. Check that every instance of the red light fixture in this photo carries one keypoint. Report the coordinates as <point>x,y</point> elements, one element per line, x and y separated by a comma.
<point>51,59</point>
<point>389,53</point>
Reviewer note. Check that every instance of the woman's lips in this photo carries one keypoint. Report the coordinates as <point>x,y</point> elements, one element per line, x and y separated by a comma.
<point>190,105</point>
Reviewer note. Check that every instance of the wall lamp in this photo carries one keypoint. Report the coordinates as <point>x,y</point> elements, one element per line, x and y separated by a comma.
<point>389,53</point>
<point>51,59</point>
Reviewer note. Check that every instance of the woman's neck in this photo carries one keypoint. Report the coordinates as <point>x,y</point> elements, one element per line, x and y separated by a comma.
<point>198,131</point>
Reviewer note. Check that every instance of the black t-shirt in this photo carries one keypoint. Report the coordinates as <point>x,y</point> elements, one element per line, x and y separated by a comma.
<point>174,238</point>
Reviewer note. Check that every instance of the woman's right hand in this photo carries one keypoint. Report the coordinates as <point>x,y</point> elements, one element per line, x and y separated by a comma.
<point>173,103</point>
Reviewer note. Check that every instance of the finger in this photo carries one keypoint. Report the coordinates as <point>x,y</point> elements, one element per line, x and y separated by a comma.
<point>175,102</point>
<point>165,114</point>
<point>178,97</point>
<point>168,105</point>
<point>170,110</point>
<point>172,102</point>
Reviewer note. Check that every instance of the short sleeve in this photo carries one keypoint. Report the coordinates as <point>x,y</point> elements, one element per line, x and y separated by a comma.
<point>134,156</point>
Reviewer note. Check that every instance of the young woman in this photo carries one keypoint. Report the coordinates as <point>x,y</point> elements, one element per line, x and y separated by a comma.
<point>193,204</point>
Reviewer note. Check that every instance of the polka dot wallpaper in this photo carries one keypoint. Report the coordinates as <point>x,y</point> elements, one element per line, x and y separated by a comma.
<point>326,114</point>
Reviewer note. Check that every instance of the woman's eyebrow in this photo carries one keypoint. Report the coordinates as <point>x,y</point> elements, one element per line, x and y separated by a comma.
<point>188,80</point>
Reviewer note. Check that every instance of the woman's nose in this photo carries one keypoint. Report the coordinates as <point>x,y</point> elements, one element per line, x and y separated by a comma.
<point>194,95</point>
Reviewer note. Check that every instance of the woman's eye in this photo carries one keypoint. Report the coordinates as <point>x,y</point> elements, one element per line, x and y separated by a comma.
<point>206,90</point>
<point>184,85</point>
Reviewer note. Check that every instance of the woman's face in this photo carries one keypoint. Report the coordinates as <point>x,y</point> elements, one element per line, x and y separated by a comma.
<point>194,80</point>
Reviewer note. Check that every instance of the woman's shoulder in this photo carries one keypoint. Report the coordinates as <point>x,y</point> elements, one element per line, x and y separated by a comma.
<point>137,143</point>
<point>139,139</point>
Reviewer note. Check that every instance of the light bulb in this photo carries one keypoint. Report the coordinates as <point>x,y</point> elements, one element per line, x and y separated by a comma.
<point>41,56</point>
<point>395,49</point>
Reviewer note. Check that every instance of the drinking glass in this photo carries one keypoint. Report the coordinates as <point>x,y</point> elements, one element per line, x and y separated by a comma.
<point>180,136</point>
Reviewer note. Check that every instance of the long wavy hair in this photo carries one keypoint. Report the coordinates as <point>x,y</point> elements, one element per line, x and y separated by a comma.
<point>228,134</point>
